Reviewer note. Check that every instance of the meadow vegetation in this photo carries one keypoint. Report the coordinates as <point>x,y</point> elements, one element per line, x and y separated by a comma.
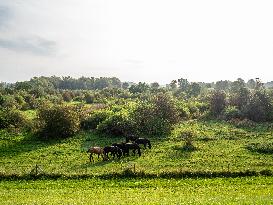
<point>207,139</point>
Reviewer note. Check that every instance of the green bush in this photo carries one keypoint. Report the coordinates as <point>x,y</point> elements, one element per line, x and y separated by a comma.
<point>260,107</point>
<point>58,121</point>
<point>217,102</point>
<point>188,137</point>
<point>95,118</point>
<point>118,123</point>
<point>157,116</point>
<point>232,112</point>
<point>13,119</point>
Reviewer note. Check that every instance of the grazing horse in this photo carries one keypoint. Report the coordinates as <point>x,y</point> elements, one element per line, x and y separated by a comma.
<point>143,141</point>
<point>96,150</point>
<point>114,150</point>
<point>122,147</point>
<point>131,138</point>
<point>133,146</point>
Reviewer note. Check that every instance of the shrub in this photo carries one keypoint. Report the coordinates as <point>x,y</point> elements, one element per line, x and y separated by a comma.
<point>13,119</point>
<point>95,118</point>
<point>157,116</point>
<point>89,98</point>
<point>58,121</point>
<point>183,111</point>
<point>217,102</point>
<point>188,136</point>
<point>118,123</point>
<point>242,122</point>
<point>232,112</point>
<point>260,107</point>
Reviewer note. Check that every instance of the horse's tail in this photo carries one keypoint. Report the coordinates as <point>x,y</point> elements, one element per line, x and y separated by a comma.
<point>149,144</point>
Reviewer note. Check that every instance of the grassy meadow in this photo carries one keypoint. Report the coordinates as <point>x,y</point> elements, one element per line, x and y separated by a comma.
<point>218,147</point>
<point>246,190</point>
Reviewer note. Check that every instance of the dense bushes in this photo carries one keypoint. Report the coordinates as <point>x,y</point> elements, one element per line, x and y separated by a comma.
<point>58,121</point>
<point>232,112</point>
<point>96,117</point>
<point>153,116</point>
<point>117,123</point>
<point>13,119</point>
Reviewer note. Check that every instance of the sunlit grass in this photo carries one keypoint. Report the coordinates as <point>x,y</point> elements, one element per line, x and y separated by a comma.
<point>253,190</point>
<point>219,147</point>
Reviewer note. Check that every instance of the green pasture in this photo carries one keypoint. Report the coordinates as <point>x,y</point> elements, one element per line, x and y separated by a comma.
<point>246,190</point>
<point>218,146</point>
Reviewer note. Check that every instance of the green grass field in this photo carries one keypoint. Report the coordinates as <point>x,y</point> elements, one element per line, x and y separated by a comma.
<point>253,190</point>
<point>220,147</point>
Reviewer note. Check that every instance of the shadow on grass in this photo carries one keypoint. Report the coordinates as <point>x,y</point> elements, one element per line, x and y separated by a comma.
<point>25,143</point>
<point>181,152</point>
<point>266,148</point>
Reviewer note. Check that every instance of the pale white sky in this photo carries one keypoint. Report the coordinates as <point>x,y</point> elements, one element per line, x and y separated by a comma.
<point>143,40</point>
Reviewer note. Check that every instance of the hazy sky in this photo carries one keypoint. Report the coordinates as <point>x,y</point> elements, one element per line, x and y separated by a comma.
<point>143,40</point>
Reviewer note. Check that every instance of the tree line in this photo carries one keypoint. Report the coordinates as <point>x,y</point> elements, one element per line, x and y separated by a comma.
<point>118,108</point>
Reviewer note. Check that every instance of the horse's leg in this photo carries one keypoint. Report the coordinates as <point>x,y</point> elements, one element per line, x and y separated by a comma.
<point>91,157</point>
<point>139,153</point>
<point>145,144</point>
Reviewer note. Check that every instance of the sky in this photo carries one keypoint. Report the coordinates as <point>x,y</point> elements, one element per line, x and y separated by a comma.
<point>143,40</point>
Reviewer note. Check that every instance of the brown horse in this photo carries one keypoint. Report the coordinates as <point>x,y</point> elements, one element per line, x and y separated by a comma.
<point>96,150</point>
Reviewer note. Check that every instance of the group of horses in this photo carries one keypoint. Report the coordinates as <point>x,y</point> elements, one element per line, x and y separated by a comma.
<point>120,149</point>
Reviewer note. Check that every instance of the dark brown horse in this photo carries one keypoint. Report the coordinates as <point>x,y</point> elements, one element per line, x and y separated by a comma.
<point>131,146</point>
<point>114,150</point>
<point>96,150</point>
<point>131,138</point>
<point>143,141</point>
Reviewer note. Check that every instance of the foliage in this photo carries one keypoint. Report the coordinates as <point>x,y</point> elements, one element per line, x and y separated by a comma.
<point>188,136</point>
<point>260,107</point>
<point>58,121</point>
<point>157,116</point>
<point>232,112</point>
<point>95,118</point>
<point>217,102</point>
<point>13,119</point>
<point>117,124</point>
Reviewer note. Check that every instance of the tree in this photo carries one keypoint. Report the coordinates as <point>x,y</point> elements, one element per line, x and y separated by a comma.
<point>217,102</point>
<point>183,84</point>
<point>173,84</point>
<point>125,85</point>
<point>222,85</point>
<point>194,89</point>
<point>139,88</point>
<point>251,84</point>
<point>155,85</point>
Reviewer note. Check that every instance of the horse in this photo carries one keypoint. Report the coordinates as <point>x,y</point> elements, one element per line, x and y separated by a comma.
<point>95,150</point>
<point>114,150</point>
<point>143,141</point>
<point>133,146</point>
<point>131,138</point>
<point>122,147</point>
